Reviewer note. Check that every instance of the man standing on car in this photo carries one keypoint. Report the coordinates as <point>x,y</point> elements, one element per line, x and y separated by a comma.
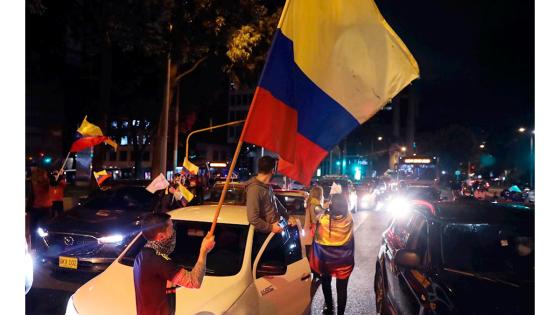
<point>154,271</point>
<point>262,207</point>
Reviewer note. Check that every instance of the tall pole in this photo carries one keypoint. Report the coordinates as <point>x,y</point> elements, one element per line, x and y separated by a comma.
<point>532,161</point>
<point>176,129</point>
<point>330,162</point>
<point>164,122</point>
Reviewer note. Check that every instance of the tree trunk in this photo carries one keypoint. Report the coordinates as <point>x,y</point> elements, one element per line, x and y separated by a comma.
<point>104,103</point>
<point>159,161</point>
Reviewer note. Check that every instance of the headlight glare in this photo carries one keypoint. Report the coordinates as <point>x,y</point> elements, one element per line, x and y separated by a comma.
<point>111,239</point>
<point>399,207</point>
<point>42,233</point>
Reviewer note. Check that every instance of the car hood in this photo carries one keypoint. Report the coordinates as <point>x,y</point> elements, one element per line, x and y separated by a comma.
<point>489,293</point>
<point>94,221</point>
<point>112,292</point>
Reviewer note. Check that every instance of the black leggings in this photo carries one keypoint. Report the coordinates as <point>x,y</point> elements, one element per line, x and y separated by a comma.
<point>341,292</point>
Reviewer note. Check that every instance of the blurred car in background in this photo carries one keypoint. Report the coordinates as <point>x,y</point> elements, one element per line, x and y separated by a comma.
<point>294,201</point>
<point>91,235</point>
<point>235,194</point>
<point>365,193</point>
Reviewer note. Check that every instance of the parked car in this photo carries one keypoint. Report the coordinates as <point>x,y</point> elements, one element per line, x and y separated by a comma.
<point>348,189</point>
<point>294,201</point>
<point>91,235</point>
<point>235,194</point>
<point>468,257</point>
<point>243,275</point>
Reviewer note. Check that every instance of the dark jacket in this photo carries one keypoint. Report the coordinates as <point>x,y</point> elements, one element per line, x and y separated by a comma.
<point>263,208</point>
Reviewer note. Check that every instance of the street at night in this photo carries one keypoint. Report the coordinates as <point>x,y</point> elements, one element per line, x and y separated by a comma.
<point>50,293</point>
<point>280,158</point>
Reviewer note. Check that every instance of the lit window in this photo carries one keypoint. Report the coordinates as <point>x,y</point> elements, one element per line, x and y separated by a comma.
<point>125,123</point>
<point>124,140</point>
<point>114,124</point>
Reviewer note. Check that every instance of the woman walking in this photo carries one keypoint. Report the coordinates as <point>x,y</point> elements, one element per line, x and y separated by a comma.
<point>333,252</point>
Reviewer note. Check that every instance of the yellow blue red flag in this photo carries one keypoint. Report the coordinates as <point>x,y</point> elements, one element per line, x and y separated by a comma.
<point>88,129</point>
<point>332,65</point>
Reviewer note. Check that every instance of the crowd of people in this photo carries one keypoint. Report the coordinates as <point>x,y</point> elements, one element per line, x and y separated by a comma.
<point>330,244</point>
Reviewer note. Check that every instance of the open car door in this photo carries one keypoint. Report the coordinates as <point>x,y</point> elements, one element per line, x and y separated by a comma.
<point>282,275</point>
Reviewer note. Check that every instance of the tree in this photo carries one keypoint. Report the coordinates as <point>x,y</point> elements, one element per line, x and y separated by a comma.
<point>189,33</point>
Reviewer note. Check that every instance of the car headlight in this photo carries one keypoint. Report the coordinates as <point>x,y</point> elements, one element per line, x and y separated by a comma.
<point>364,201</point>
<point>70,308</point>
<point>42,233</point>
<point>111,239</point>
<point>399,207</point>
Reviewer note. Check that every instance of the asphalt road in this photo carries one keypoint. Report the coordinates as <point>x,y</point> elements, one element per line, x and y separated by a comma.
<point>368,227</point>
<point>50,291</point>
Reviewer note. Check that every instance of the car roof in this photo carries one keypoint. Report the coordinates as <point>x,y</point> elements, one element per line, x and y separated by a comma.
<point>229,214</point>
<point>482,211</point>
<point>294,193</point>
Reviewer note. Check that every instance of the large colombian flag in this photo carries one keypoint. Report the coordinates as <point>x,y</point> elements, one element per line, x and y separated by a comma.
<point>332,65</point>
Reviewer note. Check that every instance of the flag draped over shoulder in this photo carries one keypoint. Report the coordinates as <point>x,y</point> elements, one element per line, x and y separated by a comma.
<point>332,65</point>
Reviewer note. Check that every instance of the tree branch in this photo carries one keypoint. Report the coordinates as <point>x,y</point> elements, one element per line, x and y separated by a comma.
<point>196,64</point>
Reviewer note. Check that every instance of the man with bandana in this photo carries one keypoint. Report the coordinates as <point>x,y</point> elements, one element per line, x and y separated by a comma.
<point>154,270</point>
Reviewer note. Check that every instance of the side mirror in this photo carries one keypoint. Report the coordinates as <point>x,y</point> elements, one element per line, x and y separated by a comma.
<point>408,259</point>
<point>271,268</point>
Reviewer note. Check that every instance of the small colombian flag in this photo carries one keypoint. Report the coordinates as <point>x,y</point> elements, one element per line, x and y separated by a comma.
<point>193,169</point>
<point>186,193</point>
<point>101,176</point>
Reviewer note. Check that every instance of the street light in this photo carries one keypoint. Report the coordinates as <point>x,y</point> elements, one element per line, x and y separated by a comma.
<point>521,129</point>
<point>379,138</point>
<point>482,146</point>
<point>403,149</point>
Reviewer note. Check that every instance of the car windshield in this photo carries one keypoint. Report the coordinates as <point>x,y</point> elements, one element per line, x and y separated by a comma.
<point>225,259</point>
<point>295,205</point>
<point>235,195</point>
<point>489,248</point>
<point>129,198</point>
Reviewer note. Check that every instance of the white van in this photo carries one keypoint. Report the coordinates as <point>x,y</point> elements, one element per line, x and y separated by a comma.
<point>242,276</point>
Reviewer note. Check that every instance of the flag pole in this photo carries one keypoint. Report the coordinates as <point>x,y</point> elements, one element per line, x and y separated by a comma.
<point>240,142</point>
<point>230,172</point>
<point>62,167</point>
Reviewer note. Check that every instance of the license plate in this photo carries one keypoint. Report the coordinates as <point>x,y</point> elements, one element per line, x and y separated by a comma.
<point>68,262</point>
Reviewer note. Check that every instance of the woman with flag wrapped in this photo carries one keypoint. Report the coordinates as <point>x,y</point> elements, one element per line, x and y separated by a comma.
<point>333,251</point>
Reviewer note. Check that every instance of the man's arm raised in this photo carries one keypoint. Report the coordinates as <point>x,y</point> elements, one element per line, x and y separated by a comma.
<point>193,279</point>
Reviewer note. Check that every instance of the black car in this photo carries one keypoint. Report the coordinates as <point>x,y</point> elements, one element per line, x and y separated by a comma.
<point>468,257</point>
<point>91,235</point>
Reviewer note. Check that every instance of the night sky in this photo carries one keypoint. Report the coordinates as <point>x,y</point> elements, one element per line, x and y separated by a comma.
<point>476,60</point>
